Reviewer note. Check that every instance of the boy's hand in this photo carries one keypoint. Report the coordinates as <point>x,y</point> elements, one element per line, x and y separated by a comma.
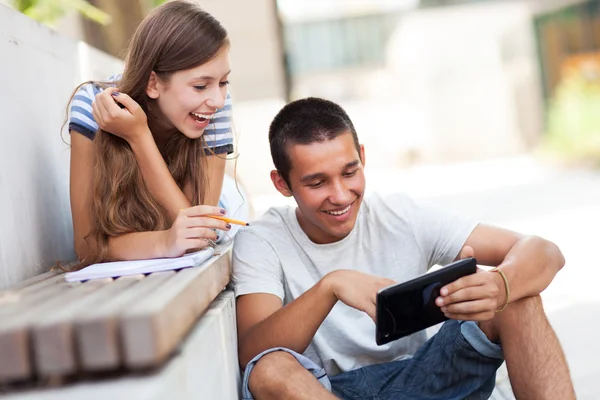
<point>474,297</point>
<point>356,289</point>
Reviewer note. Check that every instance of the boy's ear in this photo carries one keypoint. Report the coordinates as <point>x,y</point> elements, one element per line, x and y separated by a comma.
<point>280,184</point>
<point>152,87</point>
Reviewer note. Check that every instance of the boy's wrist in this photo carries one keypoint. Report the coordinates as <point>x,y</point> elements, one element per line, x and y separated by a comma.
<point>329,284</point>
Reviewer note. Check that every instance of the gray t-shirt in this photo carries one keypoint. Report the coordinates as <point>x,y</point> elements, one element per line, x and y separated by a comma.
<point>393,238</point>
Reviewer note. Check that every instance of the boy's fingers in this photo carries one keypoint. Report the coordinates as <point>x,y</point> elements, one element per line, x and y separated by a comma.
<point>466,252</point>
<point>461,283</point>
<point>470,307</point>
<point>465,294</point>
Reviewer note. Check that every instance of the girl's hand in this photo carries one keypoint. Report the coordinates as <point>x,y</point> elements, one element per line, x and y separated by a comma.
<point>120,115</point>
<point>192,229</point>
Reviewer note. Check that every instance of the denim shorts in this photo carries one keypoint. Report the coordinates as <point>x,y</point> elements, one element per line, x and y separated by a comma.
<point>459,362</point>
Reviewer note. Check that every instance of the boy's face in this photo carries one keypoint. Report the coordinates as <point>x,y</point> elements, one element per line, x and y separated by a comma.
<point>327,181</point>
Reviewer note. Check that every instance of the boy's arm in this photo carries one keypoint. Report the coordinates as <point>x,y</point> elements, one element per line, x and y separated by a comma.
<point>264,324</point>
<point>529,263</point>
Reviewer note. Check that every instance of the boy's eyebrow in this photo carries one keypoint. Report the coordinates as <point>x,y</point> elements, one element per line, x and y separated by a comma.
<point>312,177</point>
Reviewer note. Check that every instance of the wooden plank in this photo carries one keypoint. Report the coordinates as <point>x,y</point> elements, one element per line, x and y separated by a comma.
<point>33,280</point>
<point>12,296</point>
<point>97,331</point>
<point>52,333</point>
<point>152,329</point>
<point>16,362</point>
<point>19,302</point>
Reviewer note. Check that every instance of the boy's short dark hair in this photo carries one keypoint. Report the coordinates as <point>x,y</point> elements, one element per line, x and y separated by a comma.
<point>306,121</point>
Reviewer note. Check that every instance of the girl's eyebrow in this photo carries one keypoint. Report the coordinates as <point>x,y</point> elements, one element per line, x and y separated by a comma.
<point>208,78</point>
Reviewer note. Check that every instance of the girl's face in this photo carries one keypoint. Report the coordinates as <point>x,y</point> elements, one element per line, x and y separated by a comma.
<point>192,96</point>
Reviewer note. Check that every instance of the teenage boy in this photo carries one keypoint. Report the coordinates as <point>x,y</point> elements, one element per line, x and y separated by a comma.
<point>306,279</point>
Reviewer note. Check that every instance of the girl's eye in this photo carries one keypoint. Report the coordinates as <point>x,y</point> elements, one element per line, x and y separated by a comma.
<point>200,87</point>
<point>224,83</point>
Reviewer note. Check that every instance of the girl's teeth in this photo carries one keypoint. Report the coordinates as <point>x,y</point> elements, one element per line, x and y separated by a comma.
<point>202,115</point>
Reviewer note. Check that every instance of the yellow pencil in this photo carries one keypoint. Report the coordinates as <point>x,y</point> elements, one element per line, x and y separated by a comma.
<point>229,220</point>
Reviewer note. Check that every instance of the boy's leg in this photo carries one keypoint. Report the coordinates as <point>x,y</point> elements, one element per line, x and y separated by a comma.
<point>280,375</point>
<point>534,358</point>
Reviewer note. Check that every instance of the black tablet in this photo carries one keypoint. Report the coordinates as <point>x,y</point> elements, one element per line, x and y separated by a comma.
<point>409,307</point>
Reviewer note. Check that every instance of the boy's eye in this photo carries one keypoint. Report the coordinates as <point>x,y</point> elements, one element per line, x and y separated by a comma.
<point>349,174</point>
<point>315,185</point>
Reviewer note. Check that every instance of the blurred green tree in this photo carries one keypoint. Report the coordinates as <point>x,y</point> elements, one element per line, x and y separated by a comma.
<point>107,24</point>
<point>50,11</point>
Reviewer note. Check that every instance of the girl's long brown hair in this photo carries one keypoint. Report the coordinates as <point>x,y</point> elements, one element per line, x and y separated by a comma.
<point>175,36</point>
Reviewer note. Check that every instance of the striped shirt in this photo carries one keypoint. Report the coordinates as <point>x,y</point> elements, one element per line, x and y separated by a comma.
<point>218,134</point>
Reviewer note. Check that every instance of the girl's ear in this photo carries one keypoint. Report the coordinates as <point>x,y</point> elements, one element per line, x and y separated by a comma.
<point>152,88</point>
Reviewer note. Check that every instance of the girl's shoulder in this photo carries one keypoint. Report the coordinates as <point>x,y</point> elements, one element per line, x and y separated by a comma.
<point>80,112</point>
<point>89,91</point>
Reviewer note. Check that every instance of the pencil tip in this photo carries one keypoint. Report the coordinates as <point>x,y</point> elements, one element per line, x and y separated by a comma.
<point>247,224</point>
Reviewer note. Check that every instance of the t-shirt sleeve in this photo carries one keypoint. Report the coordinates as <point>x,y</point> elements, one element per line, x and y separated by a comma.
<point>256,266</point>
<point>80,112</point>
<point>439,233</point>
<point>219,132</point>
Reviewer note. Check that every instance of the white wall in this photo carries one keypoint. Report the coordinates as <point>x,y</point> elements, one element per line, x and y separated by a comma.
<point>38,71</point>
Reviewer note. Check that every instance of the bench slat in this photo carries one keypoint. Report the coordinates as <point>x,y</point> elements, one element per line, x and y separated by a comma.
<point>52,333</point>
<point>152,329</point>
<point>15,333</point>
<point>97,331</point>
<point>34,280</point>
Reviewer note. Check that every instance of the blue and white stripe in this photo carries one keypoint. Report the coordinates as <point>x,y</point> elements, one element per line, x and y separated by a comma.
<point>218,134</point>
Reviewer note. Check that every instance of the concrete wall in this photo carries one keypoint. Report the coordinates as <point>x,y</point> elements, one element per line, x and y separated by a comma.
<point>38,71</point>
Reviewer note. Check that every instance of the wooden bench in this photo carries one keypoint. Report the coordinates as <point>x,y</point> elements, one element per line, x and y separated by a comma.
<point>54,332</point>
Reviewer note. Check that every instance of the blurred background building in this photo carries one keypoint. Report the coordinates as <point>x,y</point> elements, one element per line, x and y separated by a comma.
<point>425,81</point>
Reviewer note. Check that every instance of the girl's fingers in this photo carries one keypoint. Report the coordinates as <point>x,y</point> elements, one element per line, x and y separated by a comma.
<point>196,244</point>
<point>206,222</point>
<point>131,105</point>
<point>97,114</point>
<point>202,233</point>
<point>100,105</point>
<point>203,210</point>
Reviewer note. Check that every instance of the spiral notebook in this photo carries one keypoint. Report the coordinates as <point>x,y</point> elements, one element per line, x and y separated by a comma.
<point>124,268</point>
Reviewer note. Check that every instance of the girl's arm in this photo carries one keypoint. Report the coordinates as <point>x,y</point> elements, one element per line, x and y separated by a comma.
<point>190,229</point>
<point>215,173</point>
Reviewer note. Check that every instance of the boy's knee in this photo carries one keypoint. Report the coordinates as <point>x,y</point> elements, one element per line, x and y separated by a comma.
<point>517,315</point>
<point>525,307</point>
<point>272,372</point>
